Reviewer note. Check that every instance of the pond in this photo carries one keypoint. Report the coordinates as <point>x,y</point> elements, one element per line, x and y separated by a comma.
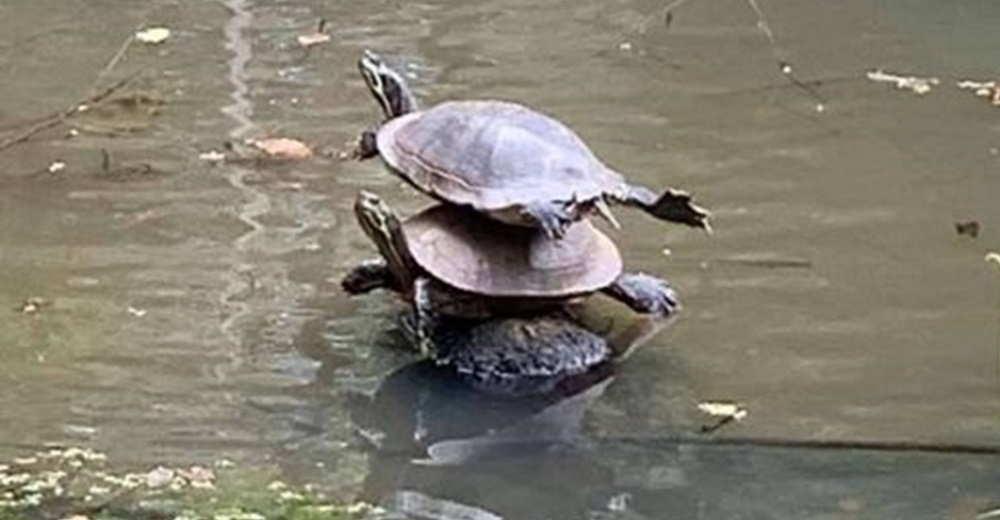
<point>165,308</point>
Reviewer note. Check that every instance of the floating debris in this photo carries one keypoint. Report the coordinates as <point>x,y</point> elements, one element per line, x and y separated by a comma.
<point>121,115</point>
<point>56,167</point>
<point>967,228</point>
<point>917,85</point>
<point>283,148</point>
<point>153,35</point>
<point>33,305</point>
<point>725,411</point>
<point>315,38</point>
<point>985,89</point>
<point>212,156</point>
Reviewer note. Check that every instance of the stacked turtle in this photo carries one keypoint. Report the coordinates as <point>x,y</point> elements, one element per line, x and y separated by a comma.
<point>510,240</point>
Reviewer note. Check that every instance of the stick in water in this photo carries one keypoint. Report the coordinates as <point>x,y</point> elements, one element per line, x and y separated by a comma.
<point>994,258</point>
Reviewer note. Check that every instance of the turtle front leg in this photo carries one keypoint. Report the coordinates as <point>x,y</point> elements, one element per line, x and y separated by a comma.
<point>672,205</point>
<point>366,146</point>
<point>644,294</point>
<point>551,217</point>
<point>368,276</point>
<point>425,317</point>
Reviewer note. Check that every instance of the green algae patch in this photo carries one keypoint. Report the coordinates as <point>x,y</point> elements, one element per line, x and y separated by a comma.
<point>76,484</point>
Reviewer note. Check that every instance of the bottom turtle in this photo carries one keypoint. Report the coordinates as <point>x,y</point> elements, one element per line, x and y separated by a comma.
<point>452,261</point>
<point>515,356</point>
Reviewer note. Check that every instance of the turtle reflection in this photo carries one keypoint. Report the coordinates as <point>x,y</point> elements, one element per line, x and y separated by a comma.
<point>432,429</point>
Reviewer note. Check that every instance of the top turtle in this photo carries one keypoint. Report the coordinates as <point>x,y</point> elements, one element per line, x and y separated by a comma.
<point>503,159</point>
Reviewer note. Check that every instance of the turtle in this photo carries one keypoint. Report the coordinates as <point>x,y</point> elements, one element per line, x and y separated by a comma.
<point>453,261</point>
<point>511,162</point>
<point>515,356</point>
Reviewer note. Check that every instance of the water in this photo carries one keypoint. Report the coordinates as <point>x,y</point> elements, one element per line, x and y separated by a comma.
<point>195,315</point>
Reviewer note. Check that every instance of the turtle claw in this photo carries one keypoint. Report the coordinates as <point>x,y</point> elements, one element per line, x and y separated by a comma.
<point>551,217</point>
<point>672,205</point>
<point>644,294</point>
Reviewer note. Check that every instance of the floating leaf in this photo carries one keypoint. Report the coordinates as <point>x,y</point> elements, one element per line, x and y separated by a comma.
<point>986,89</point>
<point>316,37</point>
<point>914,84</point>
<point>33,305</point>
<point>723,409</point>
<point>153,35</point>
<point>212,156</point>
<point>993,257</point>
<point>284,147</point>
<point>56,167</point>
<point>308,40</point>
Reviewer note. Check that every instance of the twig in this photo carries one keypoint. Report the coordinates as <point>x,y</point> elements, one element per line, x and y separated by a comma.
<point>830,444</point>
<point>784,66</point>
<point>994,258</point>
<point>114,60</point>
<point>59,117</point>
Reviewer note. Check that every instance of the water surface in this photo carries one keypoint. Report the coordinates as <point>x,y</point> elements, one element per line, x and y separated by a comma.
<point>195,313</point>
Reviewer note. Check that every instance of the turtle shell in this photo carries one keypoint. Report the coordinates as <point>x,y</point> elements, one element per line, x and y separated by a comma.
<point>524,356</point>
<point>468,251</point>
<point>493,155</point>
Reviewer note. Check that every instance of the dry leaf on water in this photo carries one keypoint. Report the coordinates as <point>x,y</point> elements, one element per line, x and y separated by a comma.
<point>314,38</point>
<point>33,305</point>
<point>283,147</point>
<point>308,40</point>
<point>153,35</point>
<point>915,84</point>
<point>723,409</point>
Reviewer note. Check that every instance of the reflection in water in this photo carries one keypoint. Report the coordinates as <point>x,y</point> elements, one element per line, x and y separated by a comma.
<point>241,111</point>
<point>432,431</point>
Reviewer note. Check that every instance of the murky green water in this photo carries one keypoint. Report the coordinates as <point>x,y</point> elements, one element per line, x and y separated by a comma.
<point>195,313</point>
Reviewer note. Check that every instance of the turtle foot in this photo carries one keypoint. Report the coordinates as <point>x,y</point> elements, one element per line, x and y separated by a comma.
<point>672,205</point>
<point>364,147</point>
<point>644,294</point>
<point>368,276</point>
<point>551,217</point>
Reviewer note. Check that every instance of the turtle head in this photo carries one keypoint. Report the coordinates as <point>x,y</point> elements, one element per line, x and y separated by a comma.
<point>388,86</point>
<point>382,226</point>
<point>376,219</point>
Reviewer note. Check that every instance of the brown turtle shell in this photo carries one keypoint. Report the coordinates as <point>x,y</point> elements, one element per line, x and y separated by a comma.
<point>493,155</point>
<point>468,251</point>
